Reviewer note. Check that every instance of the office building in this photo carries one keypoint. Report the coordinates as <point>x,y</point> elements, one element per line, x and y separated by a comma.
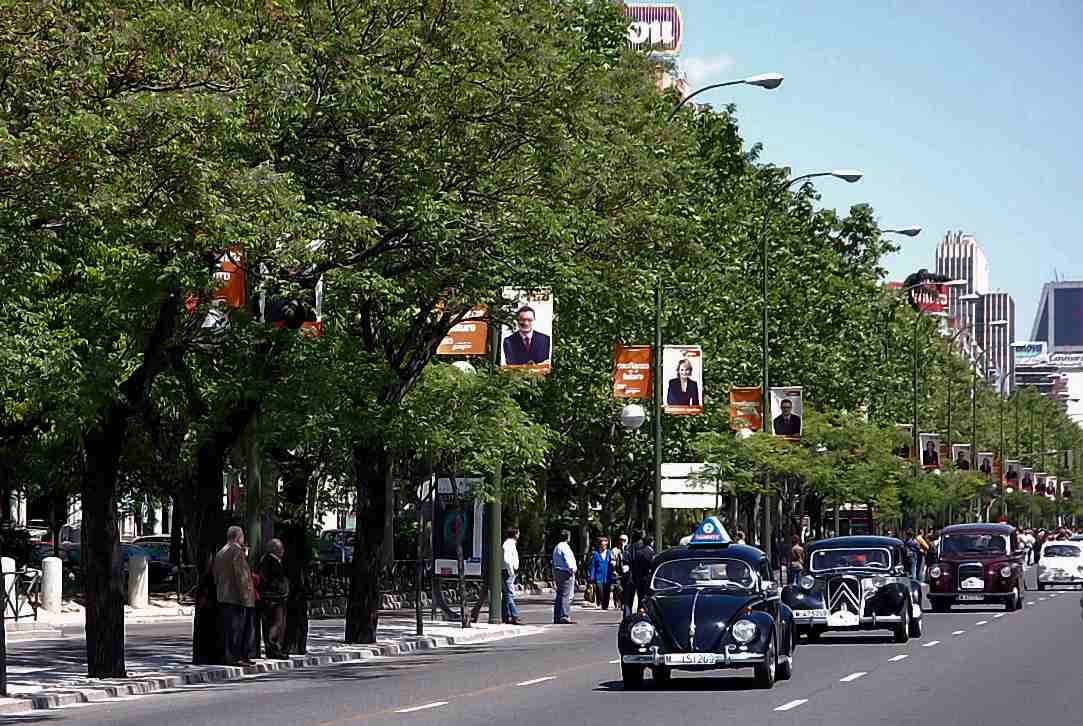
<point>995,338</point>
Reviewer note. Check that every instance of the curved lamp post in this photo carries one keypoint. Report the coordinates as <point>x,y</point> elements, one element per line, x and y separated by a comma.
<point>768,81</point>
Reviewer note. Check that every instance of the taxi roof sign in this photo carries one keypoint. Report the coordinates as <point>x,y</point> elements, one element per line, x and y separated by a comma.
<point>710,533</point>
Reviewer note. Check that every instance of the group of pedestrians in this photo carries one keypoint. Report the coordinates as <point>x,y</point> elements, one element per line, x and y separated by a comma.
<point>237,604</point>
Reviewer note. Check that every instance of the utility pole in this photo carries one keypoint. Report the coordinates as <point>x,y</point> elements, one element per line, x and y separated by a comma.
<point>496,542</point>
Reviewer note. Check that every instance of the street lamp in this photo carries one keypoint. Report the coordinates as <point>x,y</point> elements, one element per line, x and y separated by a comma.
<point>847,175</point>
<point>768,81</point>
<point>905,231</point>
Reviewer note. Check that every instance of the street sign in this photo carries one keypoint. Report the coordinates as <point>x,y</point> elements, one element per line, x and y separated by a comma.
<point>689,501</point>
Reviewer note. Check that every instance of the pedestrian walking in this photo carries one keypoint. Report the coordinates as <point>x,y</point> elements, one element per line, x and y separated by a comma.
<point>627,583</point>
<point>236,596</point>
<point>509,611</point>
<point>923,545</point>
<point>274,590</point>
<point>564,569</point>
<point>642,566</point>
<point>915,553</point>
<point>616,563</point>
<point>601,572</point>
<point>797,560</point>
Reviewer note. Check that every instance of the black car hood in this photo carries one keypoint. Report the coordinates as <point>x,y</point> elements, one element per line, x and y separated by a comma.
<point>671,615</point>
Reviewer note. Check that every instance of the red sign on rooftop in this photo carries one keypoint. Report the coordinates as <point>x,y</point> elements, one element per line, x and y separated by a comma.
<point>655,26</point>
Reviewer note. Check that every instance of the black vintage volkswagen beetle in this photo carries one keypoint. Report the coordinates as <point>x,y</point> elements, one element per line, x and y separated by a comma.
<point>856,583</point>
<point>712,605</point>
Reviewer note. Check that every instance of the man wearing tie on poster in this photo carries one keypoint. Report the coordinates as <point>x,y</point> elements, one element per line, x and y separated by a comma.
<point>787,423</point>
<point>526,346</point>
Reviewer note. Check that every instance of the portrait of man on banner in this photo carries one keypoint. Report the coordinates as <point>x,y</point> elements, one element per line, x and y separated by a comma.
<point>1027,481</point>
<point>1011,473</point>
<point>745,405</point>
<point>960,454</point>
<point>930,450</point>
<point>985,463</point>
<point>682,366</point>
<point>787,408</point>
<point>529,344</point>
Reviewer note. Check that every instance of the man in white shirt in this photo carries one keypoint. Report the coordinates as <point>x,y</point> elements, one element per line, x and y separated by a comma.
<point>564,568</point>
<point>511,566</point>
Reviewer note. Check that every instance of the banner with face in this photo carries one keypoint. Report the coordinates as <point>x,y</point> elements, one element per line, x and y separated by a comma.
<point>530,344</point>
<point>682,371</point>
<point>787,411</point>
<point>930,450</point>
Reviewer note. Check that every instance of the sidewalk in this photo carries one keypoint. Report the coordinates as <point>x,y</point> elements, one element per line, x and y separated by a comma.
<point>54,675</point>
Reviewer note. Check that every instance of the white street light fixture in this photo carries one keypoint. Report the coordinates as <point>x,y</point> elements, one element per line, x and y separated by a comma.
<point>850,175</point>
<point>765,80</point>
<point>632,416</point>
<point>905,231</point>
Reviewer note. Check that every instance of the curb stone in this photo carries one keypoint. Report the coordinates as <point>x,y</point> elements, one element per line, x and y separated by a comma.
<point>106,689</point>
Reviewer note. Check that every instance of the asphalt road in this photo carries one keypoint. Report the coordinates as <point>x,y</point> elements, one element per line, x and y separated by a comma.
<point>974,665</point>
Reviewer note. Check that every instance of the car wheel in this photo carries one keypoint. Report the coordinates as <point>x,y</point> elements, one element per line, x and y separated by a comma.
<point>902,630</point>
<point>939,606</point>
<point>915,627</point>
<point>1012,603</point>
<point>1040,586</point>
<point>662,676</point>
<point>632,675</point>
<point>785,667</point>
<point>765,673</point>
<point>813,634</point>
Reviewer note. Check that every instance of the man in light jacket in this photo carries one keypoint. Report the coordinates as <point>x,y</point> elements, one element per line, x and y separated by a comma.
<point>564,568</point>
<point>236,597</point>
<point>511,567</point>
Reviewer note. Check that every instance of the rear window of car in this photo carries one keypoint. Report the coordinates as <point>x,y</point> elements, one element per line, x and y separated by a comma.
<point>1060,550</point>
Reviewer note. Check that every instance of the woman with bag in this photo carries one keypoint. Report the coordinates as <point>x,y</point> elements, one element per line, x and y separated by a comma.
<point>600,574</point>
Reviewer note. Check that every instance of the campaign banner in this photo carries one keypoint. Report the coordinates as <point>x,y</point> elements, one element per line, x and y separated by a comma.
<point>960,454</point>
<point>656,27</point>
<point>289,312</point>
<point>986,464</point>
<point>930,298</point>
<point>930,450</point>
<point>530,344</point>
<point>683,367</point>
<point>904,440</point>
<point>1026,483</point>
<point>746,403</point>
<point>468,337</point>
<point>787,409</point>
<point>1050,487</point>
<point>457,518</point>
<point>632,371</point>
<point>1012,473</point>
<point>1066,489</point>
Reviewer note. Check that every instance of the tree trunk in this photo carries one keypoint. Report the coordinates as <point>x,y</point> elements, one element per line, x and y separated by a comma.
<point>362,611</point>
<point>296,482</point>
<point>101,560</point>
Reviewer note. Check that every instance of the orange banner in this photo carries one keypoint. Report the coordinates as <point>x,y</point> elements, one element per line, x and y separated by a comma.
<point>470,337</point>
<point>746,407</point>
<point>631,371</point>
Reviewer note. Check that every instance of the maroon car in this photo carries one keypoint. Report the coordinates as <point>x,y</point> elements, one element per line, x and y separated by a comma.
<point>977,563</point>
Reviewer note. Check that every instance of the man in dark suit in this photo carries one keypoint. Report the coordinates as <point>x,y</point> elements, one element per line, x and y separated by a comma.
<point>274,589</point>
<point>787,423</point>
<point>526,346</point>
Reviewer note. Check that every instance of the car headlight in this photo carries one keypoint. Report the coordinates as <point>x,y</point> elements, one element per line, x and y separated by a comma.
<point>807,582</point>
<point>1006,571</point>
<point>642,633</point>
<point>935,571</point>
<point>745,631</point>
<point>871,584</point>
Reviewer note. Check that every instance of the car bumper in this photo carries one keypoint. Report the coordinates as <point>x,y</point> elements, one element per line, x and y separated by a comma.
<point>964,597</point>
<point>725,660</point>
<point>868,621</point>
<point>1050,579</point>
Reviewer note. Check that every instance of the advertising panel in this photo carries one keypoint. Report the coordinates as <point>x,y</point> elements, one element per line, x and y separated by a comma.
<point>1026,484</point>
<point>745,405</point>
<point>682,365</point>
<point>961,456</point>
<point>930,450</point>
<point>1012,473</point>
<point>985,464</point>
<point>1031,353</point>
<point>457,518</point>
<point>655,26</point>
<point>787,408</point>
<point>530,344</point>
<point>631,371</point>
<point>468,337</point>
<point>1066,489</point>
<point>931,298</point>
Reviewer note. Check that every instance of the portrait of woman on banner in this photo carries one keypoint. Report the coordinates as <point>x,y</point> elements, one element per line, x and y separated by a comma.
<point>683,391</point>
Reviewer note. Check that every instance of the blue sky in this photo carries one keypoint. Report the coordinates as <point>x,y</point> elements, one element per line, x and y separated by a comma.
<point>963,115</point>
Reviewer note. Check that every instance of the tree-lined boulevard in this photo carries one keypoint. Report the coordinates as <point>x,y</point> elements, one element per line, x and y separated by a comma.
<point>370,174</point>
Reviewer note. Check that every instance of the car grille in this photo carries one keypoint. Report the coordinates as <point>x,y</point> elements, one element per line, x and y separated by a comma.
<point>844,592</point>
<point>968,571</point>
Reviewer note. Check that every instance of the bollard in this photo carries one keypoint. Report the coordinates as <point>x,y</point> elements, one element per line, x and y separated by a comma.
<point>138,582</point>
<point>7,566</point>
<point>52,584</point>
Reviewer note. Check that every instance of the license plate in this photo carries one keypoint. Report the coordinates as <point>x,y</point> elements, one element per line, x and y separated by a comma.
<point>971,597</point>
<point>692,658</point>
<point>810,613</point>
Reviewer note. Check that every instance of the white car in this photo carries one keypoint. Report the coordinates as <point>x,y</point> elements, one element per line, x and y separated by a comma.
<point>1061,563</point>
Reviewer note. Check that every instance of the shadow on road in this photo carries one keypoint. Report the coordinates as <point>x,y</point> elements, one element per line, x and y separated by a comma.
<point>689,683</point>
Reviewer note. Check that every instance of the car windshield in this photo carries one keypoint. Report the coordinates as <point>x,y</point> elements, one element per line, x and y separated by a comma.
<point>1060,550</point>
<point>829,559</point>
<point>703,572</point>
<point>156,550</point>
<point>976,543</point>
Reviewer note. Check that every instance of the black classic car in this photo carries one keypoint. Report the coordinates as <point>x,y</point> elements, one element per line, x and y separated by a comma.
<point>978,563</point>
<point>856,583</point>
<point>712,605</point>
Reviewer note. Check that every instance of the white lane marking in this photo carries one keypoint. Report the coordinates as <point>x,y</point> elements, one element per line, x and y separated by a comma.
<point>1030,603</point>
<point>930,644</point>
<point>958,632</point>
<point>1043,599</point>
<point>792,704</point>
<point>852,677</point>
<point>424,707</point>
<point>998,616</point>
<point>1054,594</point>
<point>537,681</point>
<point>982,622</point>
<point>897,658</point>
<point>614,661</point>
